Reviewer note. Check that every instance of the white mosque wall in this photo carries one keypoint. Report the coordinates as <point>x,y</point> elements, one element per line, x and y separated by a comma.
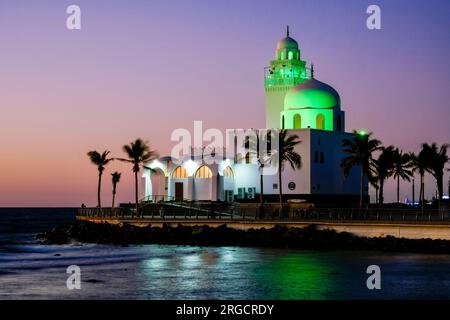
<point>203,189</point>
<point>327,176</point>
<point>246,175</point>
<point>300,177</point>
<point>224,184</point>
<point>274,105</point>
<point>146,183</point>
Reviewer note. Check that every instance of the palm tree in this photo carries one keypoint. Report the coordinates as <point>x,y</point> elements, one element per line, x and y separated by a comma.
<point>421,163</point>
<point>287,153</point>
<point>438,160</point>
<point>359,150</point>
<point>100,160</point>
<point>138,153</point>
<point>401,168</point>
<point>254,144</point>
<point>115,180</point>
<point>382,170</point>
<point>374,184</point>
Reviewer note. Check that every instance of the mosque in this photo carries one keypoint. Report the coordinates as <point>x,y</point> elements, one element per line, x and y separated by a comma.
<point>296,101</point>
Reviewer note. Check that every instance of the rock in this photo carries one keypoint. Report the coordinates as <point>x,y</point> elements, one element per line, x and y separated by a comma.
<point>93,281</point>
<point>279,236</point>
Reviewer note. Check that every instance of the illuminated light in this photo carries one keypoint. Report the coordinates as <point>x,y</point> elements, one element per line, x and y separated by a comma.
<point>362,133</point>
<point>228,172</point>
<point>179,173</point>
<point>155,164</point>
<point>203,173</point>
<point>191,261</point>
<point>228,257</point>
<point>155,263</point>
<point>190,167</point>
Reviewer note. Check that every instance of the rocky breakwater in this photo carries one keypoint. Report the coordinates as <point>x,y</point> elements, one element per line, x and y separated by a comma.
<point>303,238</point>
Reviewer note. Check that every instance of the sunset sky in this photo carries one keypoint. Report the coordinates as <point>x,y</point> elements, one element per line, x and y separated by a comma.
<point>145,68</point>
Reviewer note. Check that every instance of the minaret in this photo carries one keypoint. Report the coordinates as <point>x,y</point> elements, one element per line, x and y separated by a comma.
<point>284,72</point>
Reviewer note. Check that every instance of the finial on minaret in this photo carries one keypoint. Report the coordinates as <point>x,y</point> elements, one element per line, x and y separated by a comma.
<point>312,70</point>
<point>287,31</point>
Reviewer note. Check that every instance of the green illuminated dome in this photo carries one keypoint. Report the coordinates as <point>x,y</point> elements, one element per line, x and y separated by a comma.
<point>287,43</point>
<point>287,48</point>
<point>312,94</point>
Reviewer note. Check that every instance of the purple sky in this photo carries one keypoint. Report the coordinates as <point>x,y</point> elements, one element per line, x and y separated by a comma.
<point>145,68</point>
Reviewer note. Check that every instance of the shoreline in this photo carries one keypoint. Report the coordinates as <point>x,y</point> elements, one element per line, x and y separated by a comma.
<point>308,238</point>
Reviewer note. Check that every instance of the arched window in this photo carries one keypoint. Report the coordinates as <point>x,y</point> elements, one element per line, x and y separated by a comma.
<point>282,122</point>
<point>179,173</point>
<point>228,172</point>
<point>290,55</point>
<point>320,122</point>
<point>203,173</point>
<point>298,55</point>
<point>281,55</point>
<point>297,121</point>
<point>338,123</point>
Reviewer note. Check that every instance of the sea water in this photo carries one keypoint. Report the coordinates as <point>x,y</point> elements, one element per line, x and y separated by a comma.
<point>29,270</point>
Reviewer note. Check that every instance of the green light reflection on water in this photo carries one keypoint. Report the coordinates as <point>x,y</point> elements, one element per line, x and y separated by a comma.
<point>298,275</point>
<point>237,273</point>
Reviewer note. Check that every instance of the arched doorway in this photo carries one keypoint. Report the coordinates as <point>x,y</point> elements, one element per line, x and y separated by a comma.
<point>159,185</point>
<point>179,178</point>
<point>203,183</point>
<point>228,184</point>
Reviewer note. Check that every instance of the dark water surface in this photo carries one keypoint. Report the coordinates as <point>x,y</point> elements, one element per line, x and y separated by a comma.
<point>34,271</point>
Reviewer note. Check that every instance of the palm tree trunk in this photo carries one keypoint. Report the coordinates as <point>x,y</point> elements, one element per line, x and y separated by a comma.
<point>361,187</point>
<point>261,192</point>
<point>99,189</point>
<point>280,189</point>
<point>439,180</point>
<point>381,195</point>
<point>136,193</point>
<point>261,196</point>
<point>398,189</point>
<point>422,192</point>
<point>113,196</point>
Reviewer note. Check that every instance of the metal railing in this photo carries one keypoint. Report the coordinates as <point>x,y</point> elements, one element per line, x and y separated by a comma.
<point>371,214</point>
<point>156,198</point>
<point>221,211</point>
